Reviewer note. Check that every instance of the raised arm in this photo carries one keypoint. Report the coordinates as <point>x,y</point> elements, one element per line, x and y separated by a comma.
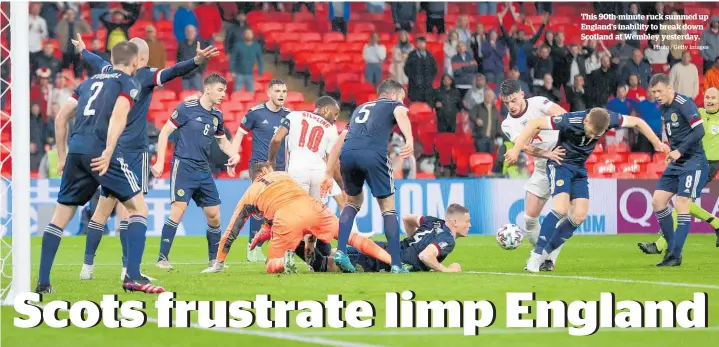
<point>411,223</point>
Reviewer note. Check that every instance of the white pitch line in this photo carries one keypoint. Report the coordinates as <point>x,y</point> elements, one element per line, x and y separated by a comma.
<point>173,263</point>
<point>488,331</point>
<point>599,279</point>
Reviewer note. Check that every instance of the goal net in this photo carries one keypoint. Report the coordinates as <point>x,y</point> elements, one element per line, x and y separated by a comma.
<point>14,151</point>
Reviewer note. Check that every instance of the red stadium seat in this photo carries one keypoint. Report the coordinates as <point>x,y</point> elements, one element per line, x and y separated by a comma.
<point>656,168</point>
<point>624,175</point>
<point>641,158</point>
<point>604,169</point>
<point>611,158</point>
<point>481,163</point>
<point>242,96</point>
<point>295,97</point>
<point>164,95</point>
<point>629,167</point>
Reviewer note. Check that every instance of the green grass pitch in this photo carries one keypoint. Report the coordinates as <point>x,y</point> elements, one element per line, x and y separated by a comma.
<point>587,266</point>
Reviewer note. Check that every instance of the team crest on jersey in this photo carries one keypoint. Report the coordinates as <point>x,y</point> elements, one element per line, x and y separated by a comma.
<point>180,192</point>
<point>215,121</point>
<point>557,119</point>
<point>674,117</point>
<point>174,114</point>
<point>560,183</point>
<point>133,93</point>
<point>442,245</point>
<point>244,119</point>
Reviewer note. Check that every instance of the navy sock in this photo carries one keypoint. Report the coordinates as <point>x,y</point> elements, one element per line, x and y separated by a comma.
<point>50,243</point>
<point>347,218</point>
<point>683,223</point>
<point>213,241</point>
<point>92,241</point>
<point>564,232</point>
<point>391,231</point>
<point>666,225</point>
<point>136,229</point>
<point>547,231</point>
<point>168,235</point>
<point>122,229</point>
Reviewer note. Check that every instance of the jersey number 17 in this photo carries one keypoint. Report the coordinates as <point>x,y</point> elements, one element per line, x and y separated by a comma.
<point>314,139</point>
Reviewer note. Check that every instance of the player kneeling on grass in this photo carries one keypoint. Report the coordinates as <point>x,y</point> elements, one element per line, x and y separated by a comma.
<point>710,117</point>
<point>276,197</point>
<point>428,243</point>
<point>578,135</point>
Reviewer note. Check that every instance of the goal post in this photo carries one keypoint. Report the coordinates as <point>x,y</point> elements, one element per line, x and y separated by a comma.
<point>18,280</point>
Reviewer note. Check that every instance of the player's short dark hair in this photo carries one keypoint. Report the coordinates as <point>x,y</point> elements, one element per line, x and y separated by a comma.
<point>659,78</point>
<point>123,53</point>
<point>256,169</point>
<point>599,119</point>
<point>214,79</point>
<point>275,82</point>
<point>325,101</point>
<point>509,87</point>
<point>389,86</point>
<point>454,209</point>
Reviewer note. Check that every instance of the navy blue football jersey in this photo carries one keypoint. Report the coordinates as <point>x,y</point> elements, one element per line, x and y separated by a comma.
<point>134,138</point>
<point>371,126</point>
<point>680,118</point>
<point>572,138</point>
<point>432,232</point>
<point>196,129</point>
<point>96,99</point>
<point>263,125</point>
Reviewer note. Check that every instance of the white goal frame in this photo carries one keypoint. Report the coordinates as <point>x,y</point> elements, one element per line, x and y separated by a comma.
<point>20,183</point>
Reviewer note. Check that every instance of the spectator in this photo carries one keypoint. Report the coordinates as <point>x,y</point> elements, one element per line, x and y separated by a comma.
<point>710,39</point>
<point>549,38</point>
<point>465,69</point>
<point>577,62</point>
<point>657,54</point>
<point>487,8</point>
<point>245,56</point>
<point>475,43</point>
<point>41,91</point>
<point>543,64</point>
<point>67,30</point>
<point>38,135</point>
<point>158,54</point>
<point>547,89</point>
<point>463,30</point>
<point>475,96</point>
<point>339,13</point>
<point>637,66</point>
<point>209,21</point>
<point>636,20</point>
<point>635,91</point>
<point>447,104</point>
<point>96,48</point>
<point>117,30</point>
<point>37,32</point>
<point>374,55</point>
<point>161,10</point>
<point>400,53</point>
<point>401,168</point>
<point>594,61</point>
<point>648,110</point>
<point>485,123</point>
<point>50,12</point>
<point>620,104</point>
<point>576,97</point>
<point>543,7</point>
<point>601,83</point>
<point>684,77</point>
<point>621,52</point>
<point>655,23</point>
<point>673,32</point>
<point>276,5</point>
<point>711,79</point>
<point>187,49</point>
<point>47,60</point>
<point>375,6</point>
<point>59,94</point>
<point>297,7</point>
<point>514,75</point>
<point>235,30</point>
<point>450,50</point>
<point>420,69</point>
<point>435,16</point>
<point>560,61</point>
<point>522,48</point>
<point>184,17</point>
<point>404,15</point>
<point>493,53</point>
<point>97,9</point>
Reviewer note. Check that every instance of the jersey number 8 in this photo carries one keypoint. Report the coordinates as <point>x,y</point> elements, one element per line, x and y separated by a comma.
<point>364,112</point>
<point>95,88</point>
<point>313,142</point>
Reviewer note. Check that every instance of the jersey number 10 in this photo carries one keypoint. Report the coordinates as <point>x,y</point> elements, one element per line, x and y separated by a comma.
<point>313,142</point>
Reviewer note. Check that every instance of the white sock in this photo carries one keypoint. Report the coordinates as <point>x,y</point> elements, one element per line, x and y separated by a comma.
<point>555,254</point>
<point>531,225</point>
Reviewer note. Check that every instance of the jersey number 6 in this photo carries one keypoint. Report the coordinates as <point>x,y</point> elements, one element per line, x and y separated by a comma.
<point>313,143</point>
<point>95,88</point>
<point>364,112</point>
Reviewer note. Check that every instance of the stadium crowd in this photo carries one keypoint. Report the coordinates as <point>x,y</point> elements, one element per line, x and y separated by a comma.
<point>451,56</point>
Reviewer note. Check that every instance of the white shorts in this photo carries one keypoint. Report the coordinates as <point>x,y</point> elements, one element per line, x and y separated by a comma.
<point>310,181</point>
<point>538,183</point>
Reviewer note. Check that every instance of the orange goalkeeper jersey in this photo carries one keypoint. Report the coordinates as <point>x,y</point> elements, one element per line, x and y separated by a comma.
<point>268,194</point>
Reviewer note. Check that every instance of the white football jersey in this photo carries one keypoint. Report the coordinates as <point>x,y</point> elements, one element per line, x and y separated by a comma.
<point>537,107</point>
<point>309,140</point>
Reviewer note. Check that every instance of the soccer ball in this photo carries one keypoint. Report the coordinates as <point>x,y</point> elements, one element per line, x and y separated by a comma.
<point>509,236</point>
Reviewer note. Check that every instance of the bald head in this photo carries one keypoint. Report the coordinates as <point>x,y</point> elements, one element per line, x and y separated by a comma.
<point>711,100</point>
<point>143,51</point>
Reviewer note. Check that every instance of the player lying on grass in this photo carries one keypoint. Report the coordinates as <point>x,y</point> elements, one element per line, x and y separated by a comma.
<point>710,141</point>
<point>428,242</point>
<point>578,135</point>
<point>276,197</point>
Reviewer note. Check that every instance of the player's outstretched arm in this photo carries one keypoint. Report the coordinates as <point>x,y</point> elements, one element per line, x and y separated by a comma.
<point>164,136</point>
<point>411,223</point>
<point>98,64</point>
<point>643,127</point>
<point>534,125</point>
<point>184,67</point>
<point>61,120</point>
<point>275,144</point>
<point>429,257</point>
<point>401,115</point>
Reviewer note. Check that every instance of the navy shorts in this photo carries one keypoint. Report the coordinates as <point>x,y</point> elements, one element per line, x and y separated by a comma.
<point>366,263</point>
<point>568,179</point>
<point>358,167</point>
<point>188,183</point>
<point>139,164</point>
<point>684,182</point>
<point>79,182</point>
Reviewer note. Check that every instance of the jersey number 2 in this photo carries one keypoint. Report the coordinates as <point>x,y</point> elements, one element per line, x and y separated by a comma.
<point>95,88</point>
<point>364,113</point>
<point>313,142</point>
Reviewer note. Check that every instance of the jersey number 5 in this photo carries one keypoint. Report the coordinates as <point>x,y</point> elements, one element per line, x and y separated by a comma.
<point>95,88</point>
<point>364,113</point>
<point>313,142</point>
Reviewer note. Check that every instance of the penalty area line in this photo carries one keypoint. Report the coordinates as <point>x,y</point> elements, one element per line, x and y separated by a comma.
<point>598,279</point>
